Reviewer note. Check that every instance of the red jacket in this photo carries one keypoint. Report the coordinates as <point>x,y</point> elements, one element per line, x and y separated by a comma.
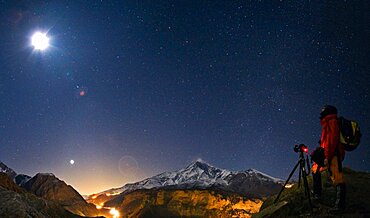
<point>330,138</point>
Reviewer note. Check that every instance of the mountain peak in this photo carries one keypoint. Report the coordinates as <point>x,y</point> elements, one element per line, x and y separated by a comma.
<point>45,175</point>
<point>48,186</point>
<point>201,175</point>
<point>200,160</point>
<point>3,166</point>
<point>253,170</point>
<point>256,172</point>
<point>199,163</point>
<point>5,169</point>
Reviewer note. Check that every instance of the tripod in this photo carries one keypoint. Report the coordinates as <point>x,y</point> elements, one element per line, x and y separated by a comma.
<point>302,173</point>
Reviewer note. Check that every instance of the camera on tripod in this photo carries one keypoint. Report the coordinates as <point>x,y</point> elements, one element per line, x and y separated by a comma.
<point>302,163</point>
<point>300,148</point>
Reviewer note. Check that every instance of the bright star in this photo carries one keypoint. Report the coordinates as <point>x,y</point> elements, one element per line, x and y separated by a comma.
<point>71,162</point>
<point>40,41</point>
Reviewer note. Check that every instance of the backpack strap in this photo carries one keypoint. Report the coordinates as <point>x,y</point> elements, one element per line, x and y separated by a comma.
<point>339,161</point>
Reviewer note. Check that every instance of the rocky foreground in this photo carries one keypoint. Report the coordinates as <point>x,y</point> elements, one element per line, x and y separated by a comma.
<point>294,203</point>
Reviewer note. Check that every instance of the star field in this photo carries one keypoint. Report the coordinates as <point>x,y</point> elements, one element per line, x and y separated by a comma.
<point>129,89</point>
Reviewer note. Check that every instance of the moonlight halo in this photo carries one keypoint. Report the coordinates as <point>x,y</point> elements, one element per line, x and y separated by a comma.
<point>40,41</point>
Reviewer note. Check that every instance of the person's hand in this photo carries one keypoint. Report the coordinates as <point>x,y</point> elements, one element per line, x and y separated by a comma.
<point>325,162</point>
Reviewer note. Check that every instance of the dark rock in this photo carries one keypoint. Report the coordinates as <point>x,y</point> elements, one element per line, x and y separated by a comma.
<point>48,186</point>
<point>5,169</point>
<point>16,202</point>
<point>21,179</point>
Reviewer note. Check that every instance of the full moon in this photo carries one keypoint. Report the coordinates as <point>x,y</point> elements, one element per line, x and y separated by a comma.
<point>40,41</point>
<point>71,162</point>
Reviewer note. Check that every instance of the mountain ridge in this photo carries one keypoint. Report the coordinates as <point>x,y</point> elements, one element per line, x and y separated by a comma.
<point>7,170</point>
<point>42,189</point>
<point>50,187</point>
<point>198,174</point>
<point>198,190</point>
<point>17,202</point>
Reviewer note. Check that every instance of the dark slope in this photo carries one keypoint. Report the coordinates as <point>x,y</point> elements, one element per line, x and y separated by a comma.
<point>16,202</point>
<point>5,169</point>
<point>293,202</point>
<point>49,187</point>
<point>184,203</point>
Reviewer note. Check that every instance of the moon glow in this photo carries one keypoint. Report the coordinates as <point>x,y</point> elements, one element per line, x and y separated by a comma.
<point>40,41</point>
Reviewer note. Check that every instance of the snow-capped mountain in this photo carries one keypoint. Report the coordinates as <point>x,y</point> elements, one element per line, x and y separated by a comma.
<point>19,179</point>
<point>201,175</point>
<point>5,169</point>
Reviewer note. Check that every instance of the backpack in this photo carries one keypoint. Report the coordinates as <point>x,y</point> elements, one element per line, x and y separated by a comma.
<point>318,156</point>
<point>350,133</point>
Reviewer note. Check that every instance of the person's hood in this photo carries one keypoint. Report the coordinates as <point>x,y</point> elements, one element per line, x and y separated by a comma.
<point>326,119</point>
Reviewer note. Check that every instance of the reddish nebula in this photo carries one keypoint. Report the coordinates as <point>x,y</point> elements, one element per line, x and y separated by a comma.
<point>82,93</point>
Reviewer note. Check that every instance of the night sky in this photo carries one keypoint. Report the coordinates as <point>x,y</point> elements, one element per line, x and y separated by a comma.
<point>130,89</point>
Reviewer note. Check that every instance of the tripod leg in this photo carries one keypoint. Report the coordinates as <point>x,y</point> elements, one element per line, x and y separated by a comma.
<point>303,173</point>
<point>307,189</point>
<point>308,166</point>
<point>286,182</point>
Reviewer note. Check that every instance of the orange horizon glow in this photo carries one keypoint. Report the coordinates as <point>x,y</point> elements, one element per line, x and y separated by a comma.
<point>92,179</point>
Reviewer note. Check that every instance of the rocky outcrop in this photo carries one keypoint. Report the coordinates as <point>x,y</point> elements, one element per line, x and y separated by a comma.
<point>48,186</point>
<point>293,202</point>
<point>21,179</point>
<point>252,183</point>
<point>5,169</point>
<point>7,183</point>
<point>16,202</point>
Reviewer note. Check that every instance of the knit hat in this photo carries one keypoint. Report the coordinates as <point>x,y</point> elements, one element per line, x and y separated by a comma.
<point>326,110</point>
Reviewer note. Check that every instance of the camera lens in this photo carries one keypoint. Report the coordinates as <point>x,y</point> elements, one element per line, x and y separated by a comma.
<point>300,148</point>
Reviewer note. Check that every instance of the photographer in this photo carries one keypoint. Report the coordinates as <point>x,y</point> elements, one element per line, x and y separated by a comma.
<point>330,154</point>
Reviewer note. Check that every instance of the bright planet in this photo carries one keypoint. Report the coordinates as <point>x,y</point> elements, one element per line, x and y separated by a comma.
<point>72,162</point>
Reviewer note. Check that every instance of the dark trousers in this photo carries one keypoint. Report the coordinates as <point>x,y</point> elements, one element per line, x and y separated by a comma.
<point>317,185</point>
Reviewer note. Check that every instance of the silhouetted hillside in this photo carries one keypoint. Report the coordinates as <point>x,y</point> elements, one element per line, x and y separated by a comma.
<point>16,202</point>
<point>49,187</point>
<point>293,202</point>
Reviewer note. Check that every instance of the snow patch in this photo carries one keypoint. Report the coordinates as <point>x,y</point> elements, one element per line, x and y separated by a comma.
<point>198,174</point>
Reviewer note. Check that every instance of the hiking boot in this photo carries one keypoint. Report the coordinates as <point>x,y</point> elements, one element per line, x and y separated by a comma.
<point>336,210</point>
<point>340,203</point>
<point>317,186</point>
<point>315,197</point>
